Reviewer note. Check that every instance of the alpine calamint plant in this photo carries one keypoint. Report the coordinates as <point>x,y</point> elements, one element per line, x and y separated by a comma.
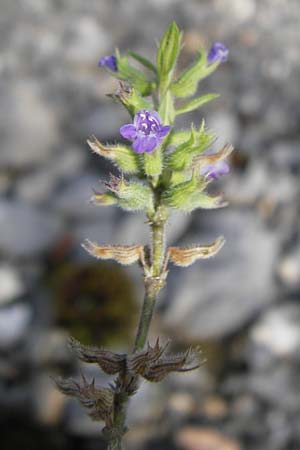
<point>161,169</point>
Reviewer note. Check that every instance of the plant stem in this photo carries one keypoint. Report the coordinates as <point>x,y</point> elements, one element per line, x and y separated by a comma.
<point>153,284</point>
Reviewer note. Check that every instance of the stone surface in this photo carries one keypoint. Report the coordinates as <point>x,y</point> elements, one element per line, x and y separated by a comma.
<point>26,231</point>
<point>278,331</point>
<point>14,322</point>
<point>201,438</point>
<point>217,296</point>
<point>11,284</point>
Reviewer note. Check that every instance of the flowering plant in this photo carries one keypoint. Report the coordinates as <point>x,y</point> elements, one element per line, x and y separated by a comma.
<point>172,169</point>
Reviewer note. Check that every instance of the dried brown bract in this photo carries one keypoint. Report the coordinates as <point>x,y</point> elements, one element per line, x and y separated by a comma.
<point>99,402</point>
<point>110,362</point>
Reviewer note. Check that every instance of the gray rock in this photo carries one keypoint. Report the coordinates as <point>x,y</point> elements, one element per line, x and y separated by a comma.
<point>278,331</point>
<point>86,41</point>
<point>32,138</point>
<point>217,296</point>
<point>36,188</point>
<point>11,285</point>
<point>14,322</point>
<point>74,199</point>
<point>104,121</point>
<point>49,347</point>
<point>133,228</point>
<point>146,403</point>
<point>225,127</point>
<point>25,230</point>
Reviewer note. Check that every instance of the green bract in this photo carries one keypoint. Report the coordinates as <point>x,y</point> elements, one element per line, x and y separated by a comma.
<point>187,83</point>
<point>181,158</point>
<point>134,76</point>
<point>195,103</point>
<point>167,55</point>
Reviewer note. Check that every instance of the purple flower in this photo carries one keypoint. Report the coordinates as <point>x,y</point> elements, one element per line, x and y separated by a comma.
<point>216,169</point>
<point>110,62</point>
<point>146,132</point>
<point>217,52</point>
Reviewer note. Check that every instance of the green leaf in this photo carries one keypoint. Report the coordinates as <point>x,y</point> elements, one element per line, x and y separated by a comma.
<point>195,103</point>
<point>186,84</point>
<point>203,201</point>
<point>134,76</point>
<point>167,54</point>
<point>144,61</point>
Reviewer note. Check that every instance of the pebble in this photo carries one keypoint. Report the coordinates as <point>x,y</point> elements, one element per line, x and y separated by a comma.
<point>201,438</point>
<point>14,323</point>
<point>209,300</point>
<point>11,284</point>
<point>26,231</point>
<point>278,330</point>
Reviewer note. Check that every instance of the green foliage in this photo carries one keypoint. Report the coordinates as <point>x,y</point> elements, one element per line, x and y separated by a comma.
<point>195,103</point>
<point>166,109</point>
<point>178,195</point>
<point>129,195</point>
<point>187,83</point>
<point>167,55</point>
<point>142,60</point>
<point>134,76</point>
<point>130,99</point>
<point>126,160</point>
<point>153,163</point>
<point>181,158</point>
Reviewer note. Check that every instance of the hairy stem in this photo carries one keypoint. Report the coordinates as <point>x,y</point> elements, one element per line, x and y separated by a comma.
<point>153,284</point>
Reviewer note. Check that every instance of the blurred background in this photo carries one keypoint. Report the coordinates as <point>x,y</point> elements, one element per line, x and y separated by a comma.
<point>242,307</point>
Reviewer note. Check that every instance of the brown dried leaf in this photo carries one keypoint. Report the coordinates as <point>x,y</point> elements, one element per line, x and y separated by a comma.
<point>100,149</point>
<point>123,254</point>
<point>111,363</point>
<point>204,160</point>
<point>99,402</point>
<point>140,361</point>
<point>184,257</point>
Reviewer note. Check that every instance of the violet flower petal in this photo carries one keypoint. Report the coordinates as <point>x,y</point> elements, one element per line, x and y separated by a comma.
<point>218,52</point>
<point>128,131</point>
<point>144,144</point>
<point>110,62</point>
<point>164,130</point>
<point>216,170</point>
